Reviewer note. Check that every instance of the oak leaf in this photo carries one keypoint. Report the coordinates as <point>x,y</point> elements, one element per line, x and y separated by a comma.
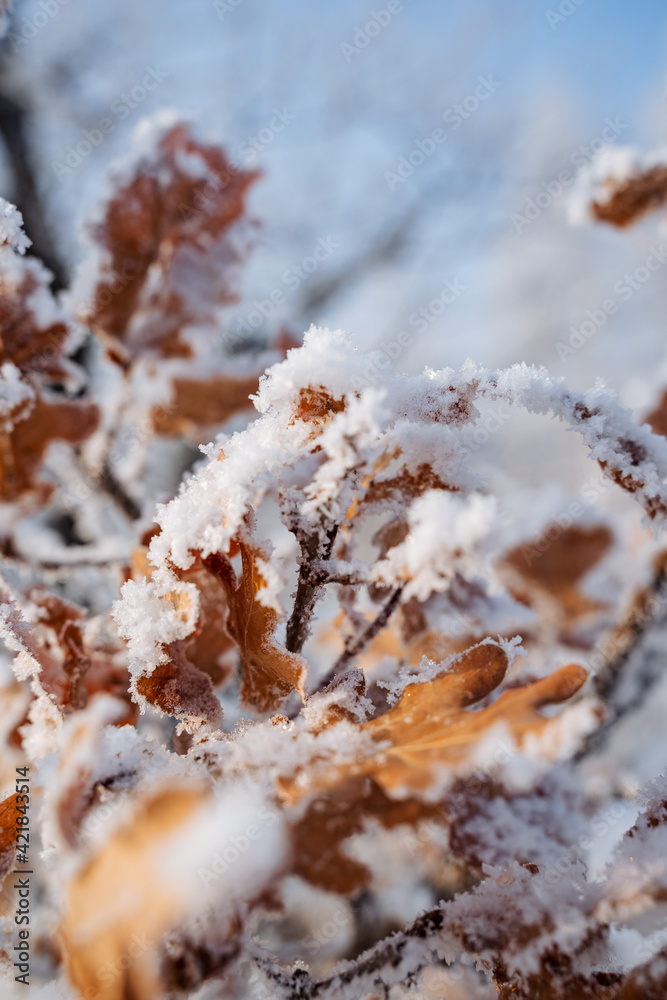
<point>116,924</point>
<point>270,672</point>
<point>169,249</point>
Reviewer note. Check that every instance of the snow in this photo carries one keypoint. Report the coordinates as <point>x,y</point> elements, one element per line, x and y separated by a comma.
<point>11,226</point>
<point>151,615</point>
<point>14,393</point>
<point>447,532</point>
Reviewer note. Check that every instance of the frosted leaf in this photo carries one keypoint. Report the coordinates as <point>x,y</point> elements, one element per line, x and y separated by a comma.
<point>153,614</point>
<point>619,186</point>
<point>14,394</point>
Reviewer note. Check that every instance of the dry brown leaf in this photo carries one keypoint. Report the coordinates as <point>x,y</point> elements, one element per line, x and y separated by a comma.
<point>34,339</point>
<point>23,448</point>
<point>72,669</point>
<point>405,483</point>
<point>206,647</point>
<point>202,403</point>
<point>8,816</point>
<point>657,418</point>
<point>269,671</point>
<point>318,836</point>
<point>35,349</point>
<point>557,566</point>
<point>551,570</point>
<point>61,675</point>
<point>116,924</point>
<point>429,726</point>
<point>633,197</point>
<point>211,642</point>
<point>174,223</point>
<point>181,690</point>
<point>183,686</point>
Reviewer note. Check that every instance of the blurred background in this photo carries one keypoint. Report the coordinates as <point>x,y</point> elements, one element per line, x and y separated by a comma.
<point>417,145</point>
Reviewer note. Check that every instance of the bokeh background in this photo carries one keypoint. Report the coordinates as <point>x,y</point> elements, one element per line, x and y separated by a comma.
<point>351,104</point>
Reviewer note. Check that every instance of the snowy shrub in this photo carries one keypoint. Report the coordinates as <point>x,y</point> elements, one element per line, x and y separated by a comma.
<point>320,721</point>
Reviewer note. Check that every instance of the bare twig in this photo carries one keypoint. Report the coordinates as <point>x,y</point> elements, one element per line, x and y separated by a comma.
<point>114,488</point>
<point>308,587</point>
<point>356,646</point>
<point>394,960</point>
<point>635,661</point>
<point>387,247</point>
<point>27,195</point>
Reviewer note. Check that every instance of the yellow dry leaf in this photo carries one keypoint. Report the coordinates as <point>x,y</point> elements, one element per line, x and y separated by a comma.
<point>120,904</point>
<point>430,727</point>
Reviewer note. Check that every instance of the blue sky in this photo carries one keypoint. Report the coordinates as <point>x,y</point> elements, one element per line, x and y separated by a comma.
<point>352,120</point>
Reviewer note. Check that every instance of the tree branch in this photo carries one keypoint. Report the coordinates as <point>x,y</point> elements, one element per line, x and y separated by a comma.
<point>634,661</point>
<point>388,963</point>
<point>308,587</point>
<point>114,488</point>
<point>27,195</point>
<point>356,646</point>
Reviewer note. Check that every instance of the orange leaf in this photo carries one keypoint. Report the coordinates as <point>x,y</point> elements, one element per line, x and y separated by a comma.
<point>430,727</point>
<point>201,403</point>
<point>270,672</point>
<point>113,925</point>
<point>23,448</point>
<point>8,815</point>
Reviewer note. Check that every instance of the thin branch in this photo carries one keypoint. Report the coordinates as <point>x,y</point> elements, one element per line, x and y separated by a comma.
<point>356,646</point>
<point>114,488</point>
<point>388,963</point>
<point>27,193</point>
<point>635,661</point>
<point>53,565</point>
<point>388,246</point>
<point>308,587</point>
